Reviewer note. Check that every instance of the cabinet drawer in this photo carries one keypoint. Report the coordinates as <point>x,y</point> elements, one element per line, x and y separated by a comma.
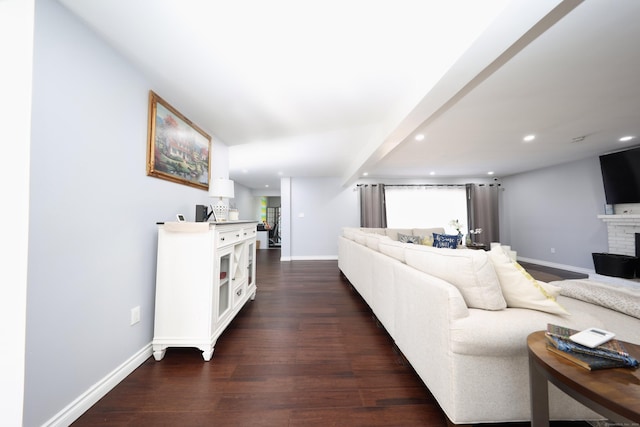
<point>228,237</point>
<point>248,233</point>
<point>238,294</point>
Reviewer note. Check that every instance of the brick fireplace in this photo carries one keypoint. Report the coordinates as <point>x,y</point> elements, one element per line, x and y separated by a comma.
<point>623,233</point>
<point>622,230</point>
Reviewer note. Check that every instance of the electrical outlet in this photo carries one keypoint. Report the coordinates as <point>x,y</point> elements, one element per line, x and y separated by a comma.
<point>135,315</point>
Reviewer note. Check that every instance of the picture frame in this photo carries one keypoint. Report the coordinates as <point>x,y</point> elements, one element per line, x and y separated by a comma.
<point>177,149</point>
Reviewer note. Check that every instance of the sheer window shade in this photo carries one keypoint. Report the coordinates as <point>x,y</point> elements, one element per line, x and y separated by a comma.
<point>421,206</point>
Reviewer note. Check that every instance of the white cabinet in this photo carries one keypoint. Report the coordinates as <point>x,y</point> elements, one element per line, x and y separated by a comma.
<point>206,273</point>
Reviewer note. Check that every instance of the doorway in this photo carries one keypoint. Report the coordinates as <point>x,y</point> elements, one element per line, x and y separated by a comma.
<point>273,219</point>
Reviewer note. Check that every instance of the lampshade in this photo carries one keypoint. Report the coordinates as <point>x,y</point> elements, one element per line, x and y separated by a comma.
<point>220,187</point>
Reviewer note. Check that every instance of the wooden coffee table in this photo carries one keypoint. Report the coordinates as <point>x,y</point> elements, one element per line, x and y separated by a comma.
<point>613,393</point>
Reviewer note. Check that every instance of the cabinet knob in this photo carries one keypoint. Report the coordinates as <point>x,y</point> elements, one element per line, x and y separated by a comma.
<point>239,292</point>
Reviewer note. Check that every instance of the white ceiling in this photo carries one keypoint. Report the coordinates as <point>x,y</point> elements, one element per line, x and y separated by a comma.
<point>341,87</point>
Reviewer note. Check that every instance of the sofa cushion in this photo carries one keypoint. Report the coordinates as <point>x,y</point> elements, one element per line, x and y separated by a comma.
<point>427,231</point>
<point>373,240</point>
<point>392,248</point>
<point>468,270</point>
<point>519,288</point>
<point>393,232</point>
<point>504,333</point>
<point>360,237</point>
<point>350,232</point>
<point>382,231</point>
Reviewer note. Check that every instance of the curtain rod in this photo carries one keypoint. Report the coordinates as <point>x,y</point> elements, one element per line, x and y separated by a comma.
<point>425,185</point>
<point>428,185</point>
<point>414,185</point>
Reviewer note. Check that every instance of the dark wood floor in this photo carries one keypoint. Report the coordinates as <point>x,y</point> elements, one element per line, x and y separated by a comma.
<point>549,274</point>
<point>306,352</point>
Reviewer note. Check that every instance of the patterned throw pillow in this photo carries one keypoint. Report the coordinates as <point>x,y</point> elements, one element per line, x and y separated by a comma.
<point>407,238</point>
<point>445,241</point>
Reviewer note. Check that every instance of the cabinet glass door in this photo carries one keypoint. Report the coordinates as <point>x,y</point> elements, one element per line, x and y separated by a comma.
<point>223,284</point>
<point>251,250</point>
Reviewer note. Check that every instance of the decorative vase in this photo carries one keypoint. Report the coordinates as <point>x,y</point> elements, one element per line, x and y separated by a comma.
<point>460,238</point>
<point>469,241</point>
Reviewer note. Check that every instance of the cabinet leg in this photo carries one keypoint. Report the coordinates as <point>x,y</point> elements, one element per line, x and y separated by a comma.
<point>207,353</point>
<point>253,295</point>
<point>158,353</point>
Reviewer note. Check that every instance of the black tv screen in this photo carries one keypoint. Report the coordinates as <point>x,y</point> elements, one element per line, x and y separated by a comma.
<point>621,176</point>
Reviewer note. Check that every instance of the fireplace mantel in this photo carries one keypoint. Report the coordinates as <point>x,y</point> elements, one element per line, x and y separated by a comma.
<point>621,230</point>
<point>623,218</point>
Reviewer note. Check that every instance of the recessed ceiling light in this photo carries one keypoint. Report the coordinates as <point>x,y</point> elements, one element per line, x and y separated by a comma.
<point>266,185</point>
<point>419,137</point>
<point>529,138</point>
<point>490,173</point>
<point>432,173</point>
<point>626,138</point>
<point>365,173</point>
<point>245,171</point>
<point>280,173</point>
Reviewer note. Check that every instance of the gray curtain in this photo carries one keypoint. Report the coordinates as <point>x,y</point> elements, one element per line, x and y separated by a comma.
<point>372,207</point>
<point>482,208</point>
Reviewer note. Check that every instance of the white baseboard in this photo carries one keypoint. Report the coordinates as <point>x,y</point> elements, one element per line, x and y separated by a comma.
<point>87,399</point>
<point>559,266</point>
<point>315,258</point>
<point>310,258</point>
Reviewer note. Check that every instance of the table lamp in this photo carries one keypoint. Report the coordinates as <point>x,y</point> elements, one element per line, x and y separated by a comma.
<point>222,189</point>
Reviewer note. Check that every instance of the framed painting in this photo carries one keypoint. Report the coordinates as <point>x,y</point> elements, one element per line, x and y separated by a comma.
<point>177,149</point>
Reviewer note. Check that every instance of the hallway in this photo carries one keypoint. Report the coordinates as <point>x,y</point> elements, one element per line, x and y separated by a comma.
<point>306,352</point>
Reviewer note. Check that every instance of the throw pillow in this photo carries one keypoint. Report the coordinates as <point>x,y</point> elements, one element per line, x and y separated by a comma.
<point>407,238</point>
<point>445,241</point>
<point>519,288</point>
<point>393,232</point>
<point>468,270</point>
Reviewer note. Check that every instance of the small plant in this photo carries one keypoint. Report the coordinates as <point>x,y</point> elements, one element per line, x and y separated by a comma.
<point>456,224</point>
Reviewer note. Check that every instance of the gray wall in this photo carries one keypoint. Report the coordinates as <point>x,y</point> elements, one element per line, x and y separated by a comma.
<point>92,236</point>
<point>555,207</point>
<point>244,201</point>
<point>327,207</point>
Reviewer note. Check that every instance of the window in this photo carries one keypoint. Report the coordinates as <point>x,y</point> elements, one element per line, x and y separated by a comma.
<point>423,206</point>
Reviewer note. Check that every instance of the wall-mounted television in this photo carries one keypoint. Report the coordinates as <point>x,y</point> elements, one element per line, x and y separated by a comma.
<point>621,176</point>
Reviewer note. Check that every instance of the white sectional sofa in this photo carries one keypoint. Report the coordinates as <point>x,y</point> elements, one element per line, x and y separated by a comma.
<point>461,318</point>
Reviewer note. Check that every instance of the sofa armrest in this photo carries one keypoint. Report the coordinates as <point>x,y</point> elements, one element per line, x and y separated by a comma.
<point>425,309</point>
